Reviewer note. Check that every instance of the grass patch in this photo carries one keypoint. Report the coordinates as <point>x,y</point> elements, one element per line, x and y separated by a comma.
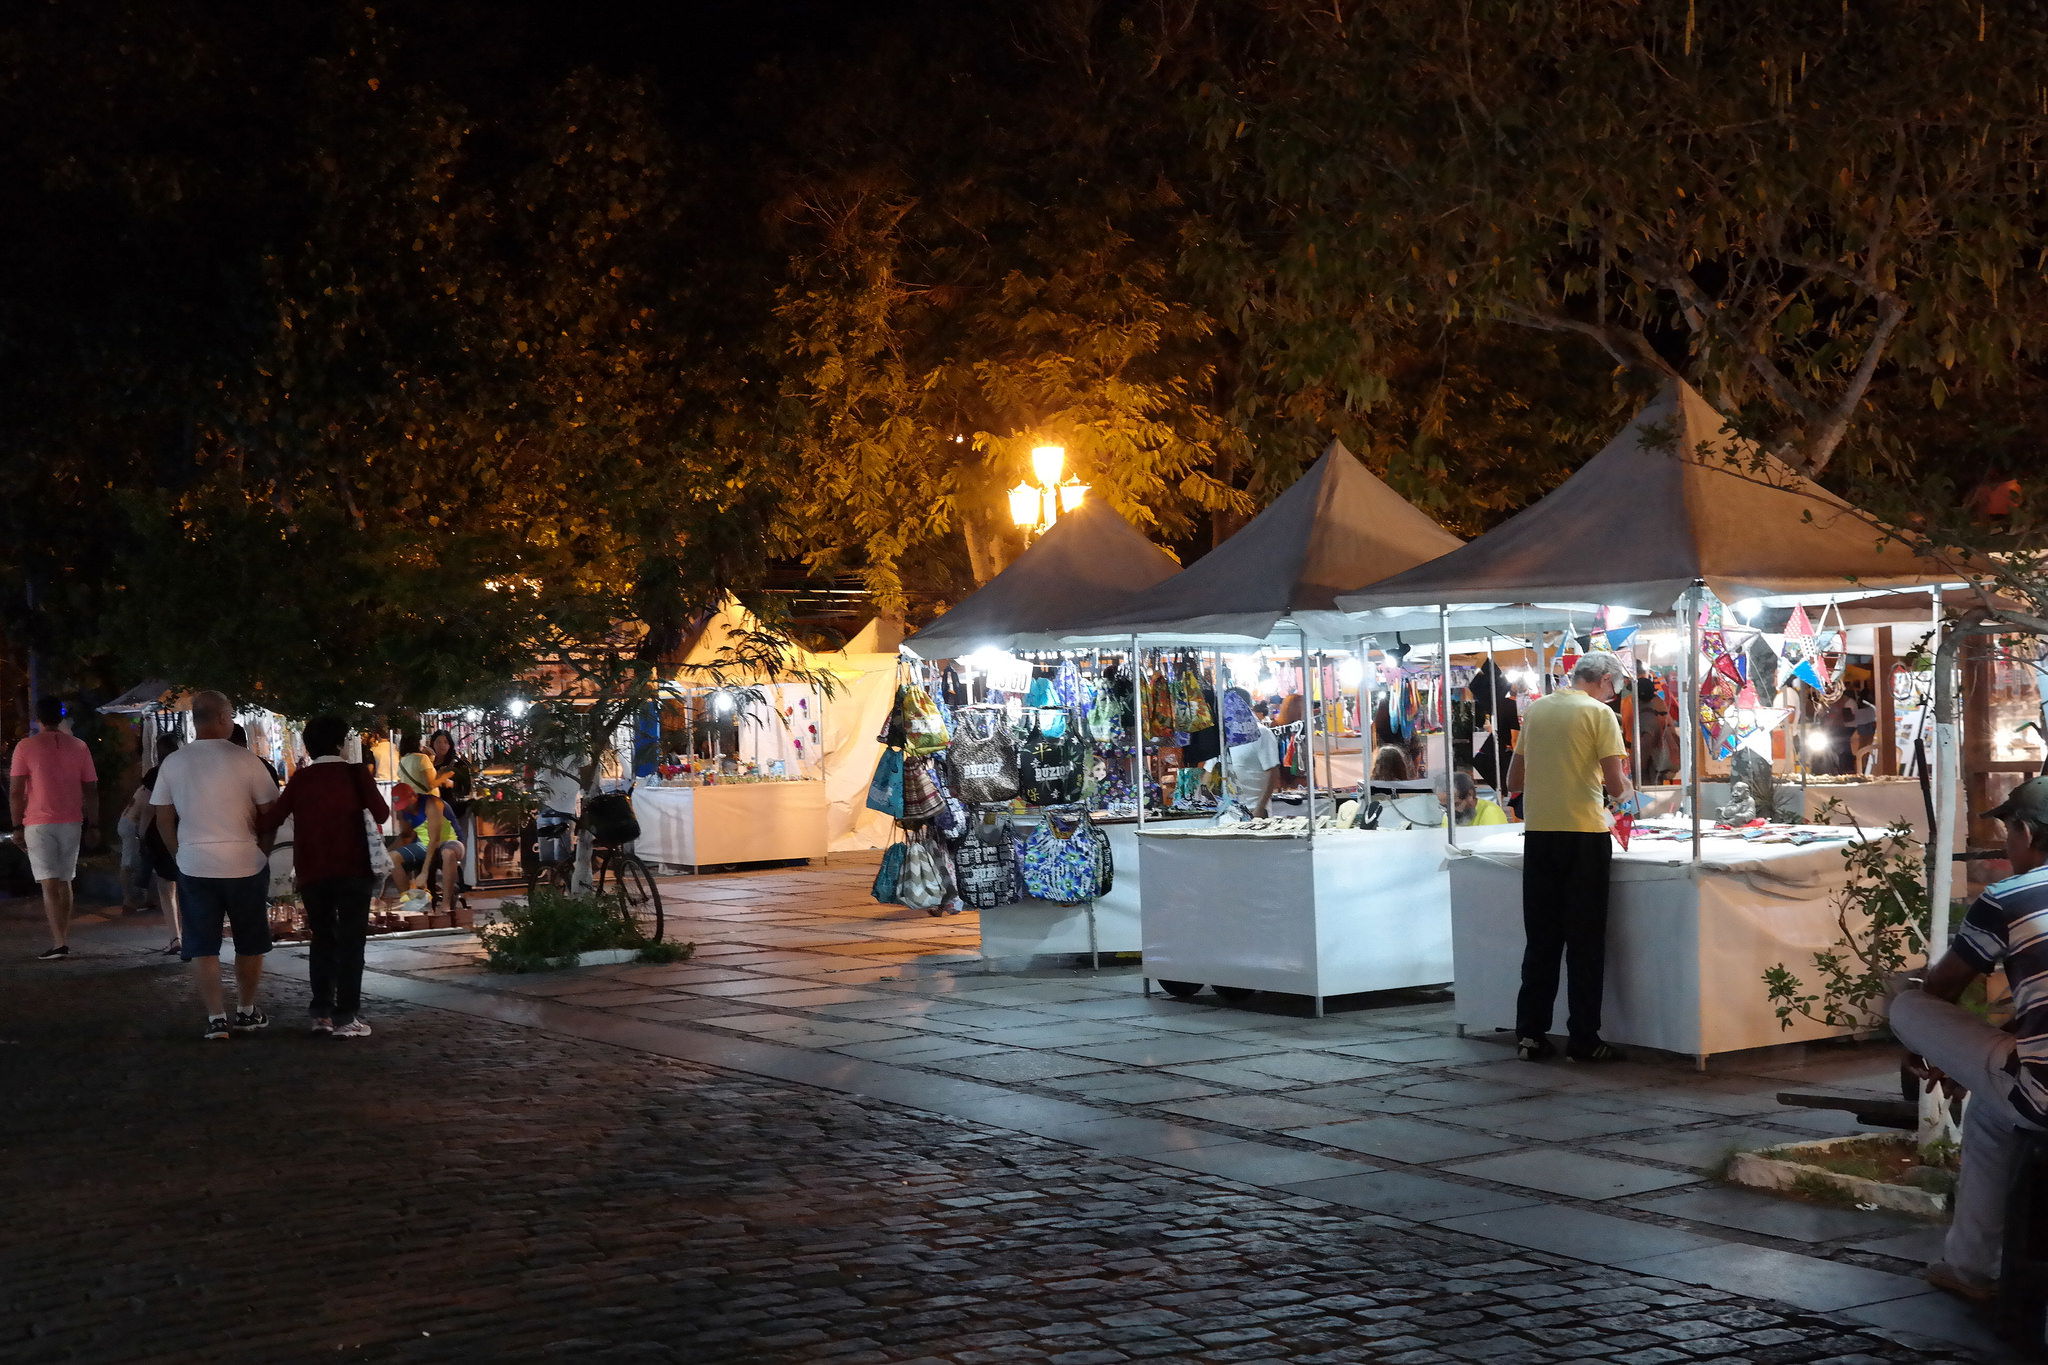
<point>1886,1159</point>
<point>667,951</point>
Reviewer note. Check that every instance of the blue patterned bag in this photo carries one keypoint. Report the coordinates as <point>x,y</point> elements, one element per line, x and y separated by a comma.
<point>885,790</point>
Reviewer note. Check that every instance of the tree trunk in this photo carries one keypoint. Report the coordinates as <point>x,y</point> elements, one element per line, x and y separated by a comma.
<point>989,551</point>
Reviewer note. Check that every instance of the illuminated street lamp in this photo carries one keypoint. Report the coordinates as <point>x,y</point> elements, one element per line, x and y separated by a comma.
<point>1035,508</point>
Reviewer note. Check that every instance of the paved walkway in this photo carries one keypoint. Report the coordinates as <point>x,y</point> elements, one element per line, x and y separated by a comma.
<point>1045,1164</point>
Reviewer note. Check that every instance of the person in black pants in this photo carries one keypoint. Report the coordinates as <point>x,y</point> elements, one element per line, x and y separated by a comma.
<point>1570,755</point>
<point>331,856</point>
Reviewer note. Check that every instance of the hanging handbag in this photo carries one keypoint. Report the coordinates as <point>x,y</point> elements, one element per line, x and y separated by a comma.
<point>985,867</point>
<point>922,796</point>
<point>885,789</point>
<point>924,729</point>
<point>923,882</point>
<point>1102,862</point>
<point>983,760</point>
<point>1059,865</point>
<point>1048,769</point>
<point>889,876</point>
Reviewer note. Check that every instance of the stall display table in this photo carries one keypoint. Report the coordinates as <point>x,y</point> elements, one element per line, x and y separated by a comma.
<point>1875,803</point>
<point>739,822</point>
<point>1355,910</point>
<point>1011,934</point>
<point>1686,949</point>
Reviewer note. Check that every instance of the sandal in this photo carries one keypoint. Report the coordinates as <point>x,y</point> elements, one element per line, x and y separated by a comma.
<point>173,948</point>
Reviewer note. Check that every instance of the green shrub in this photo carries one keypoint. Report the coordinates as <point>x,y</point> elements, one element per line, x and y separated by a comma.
<point>548,929</point>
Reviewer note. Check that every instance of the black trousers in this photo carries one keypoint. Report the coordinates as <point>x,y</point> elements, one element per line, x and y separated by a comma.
<point>1564,916</point>
<point>338,918</point>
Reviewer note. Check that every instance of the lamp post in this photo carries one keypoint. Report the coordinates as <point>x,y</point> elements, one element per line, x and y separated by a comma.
<point>1034,508</point>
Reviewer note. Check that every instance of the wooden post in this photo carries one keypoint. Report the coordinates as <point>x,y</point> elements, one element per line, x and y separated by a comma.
<point>1881,664</point>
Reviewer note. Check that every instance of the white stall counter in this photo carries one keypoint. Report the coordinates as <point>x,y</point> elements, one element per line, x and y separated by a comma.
<point>1686,949</point>
<point>738,822</point>
<point>1357,910</point>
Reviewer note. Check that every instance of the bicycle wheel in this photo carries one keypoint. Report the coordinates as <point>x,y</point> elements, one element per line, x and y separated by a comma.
<point>626,876</point>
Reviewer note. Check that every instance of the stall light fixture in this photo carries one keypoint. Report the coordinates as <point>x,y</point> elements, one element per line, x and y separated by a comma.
<point>472,715</point>
<point>516,707</point>
<point>1747,608</point>
<point>721,701</point>
<point>1817,742</point>
<point>1350,672</point>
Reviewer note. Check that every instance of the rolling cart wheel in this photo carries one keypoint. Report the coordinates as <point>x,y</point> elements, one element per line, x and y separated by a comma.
<point>1180,990</point>
<point>1236,993</point>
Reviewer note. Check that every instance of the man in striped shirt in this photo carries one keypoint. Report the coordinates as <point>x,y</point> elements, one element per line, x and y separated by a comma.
<point>2005,1073</point>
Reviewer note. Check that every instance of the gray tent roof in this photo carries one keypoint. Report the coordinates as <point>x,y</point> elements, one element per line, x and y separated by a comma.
<point>144,698</point>
<point>1675,498</point>
<point>1337,527</point>
<point>1091,561</point>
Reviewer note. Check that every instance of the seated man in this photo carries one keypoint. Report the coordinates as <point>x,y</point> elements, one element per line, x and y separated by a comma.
<point>2006,1076</point>
<point>1472,808</point>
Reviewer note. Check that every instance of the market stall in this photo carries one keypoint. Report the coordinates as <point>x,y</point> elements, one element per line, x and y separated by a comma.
<point>1698,534</point>
<point>1687,945</point>
<point>1028,727</point>
<point>732,822</point>
<point>1307,908</point>
<point>1355,910</point>
<point>762,728</point>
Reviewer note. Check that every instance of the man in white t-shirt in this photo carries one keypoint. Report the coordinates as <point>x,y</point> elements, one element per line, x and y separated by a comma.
<point>207,797</point>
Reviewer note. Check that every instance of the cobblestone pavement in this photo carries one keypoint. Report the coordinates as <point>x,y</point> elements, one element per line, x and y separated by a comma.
<point>458,1188</point>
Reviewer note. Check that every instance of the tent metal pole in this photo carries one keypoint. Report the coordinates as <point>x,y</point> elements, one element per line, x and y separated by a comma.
<point>1443,661</point>
<point>1366,737</point>
<point>1308,740</point>
<point>1138,733</point>
<point>1635,717</point>
<point>1944,776</point>
<point>1494,683</point>
<point>1694,603</point>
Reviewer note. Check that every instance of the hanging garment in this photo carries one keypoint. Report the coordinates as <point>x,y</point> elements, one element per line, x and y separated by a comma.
<point>1066,860</point>
<point>983,759</point>
<point>1158,709</point>
<point>1240,726</point>
<point>1067,687</point>
<point>1041,693</point>
<point>1048,769</point>
<point>1204,742</point>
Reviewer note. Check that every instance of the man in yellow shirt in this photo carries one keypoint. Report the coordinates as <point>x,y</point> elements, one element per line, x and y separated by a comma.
<point>1570,754</point>
<point>1472,808</point>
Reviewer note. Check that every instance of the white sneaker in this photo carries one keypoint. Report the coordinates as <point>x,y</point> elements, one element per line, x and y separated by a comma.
<point>354,1028</point>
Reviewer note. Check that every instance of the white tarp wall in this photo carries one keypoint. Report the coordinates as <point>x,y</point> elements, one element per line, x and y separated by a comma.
<point>853,718</point>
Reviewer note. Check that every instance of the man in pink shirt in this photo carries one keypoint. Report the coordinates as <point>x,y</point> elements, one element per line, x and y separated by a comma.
<point>55,797</point>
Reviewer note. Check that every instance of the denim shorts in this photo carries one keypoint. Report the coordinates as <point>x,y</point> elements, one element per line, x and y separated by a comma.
<point>204,903</point>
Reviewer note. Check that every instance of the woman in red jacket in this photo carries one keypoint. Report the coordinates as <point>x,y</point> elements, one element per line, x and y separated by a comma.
<point>331,856</point>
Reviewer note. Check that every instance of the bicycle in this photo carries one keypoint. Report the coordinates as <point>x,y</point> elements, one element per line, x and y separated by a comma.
<point>614,870</point>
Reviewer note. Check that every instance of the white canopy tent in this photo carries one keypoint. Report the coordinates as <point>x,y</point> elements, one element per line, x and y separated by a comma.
<point>845,750</point>
<point>1091,561</point>
<point>1338,526</point>
<point>1675,500</point>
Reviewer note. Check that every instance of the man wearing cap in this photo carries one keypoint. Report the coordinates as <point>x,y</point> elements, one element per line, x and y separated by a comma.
<point>2005,1073</point>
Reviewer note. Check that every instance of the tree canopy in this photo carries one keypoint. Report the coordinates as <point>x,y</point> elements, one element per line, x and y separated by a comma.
<point>345,357</point>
